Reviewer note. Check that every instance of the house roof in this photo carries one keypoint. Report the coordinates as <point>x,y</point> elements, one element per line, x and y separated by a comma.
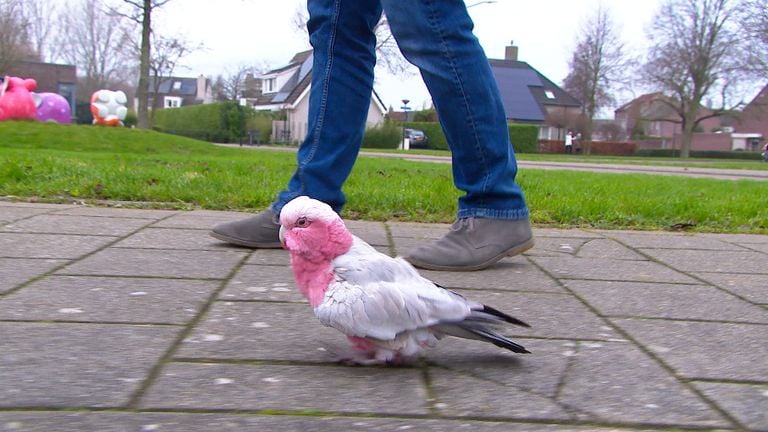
<point>297,84</point>
<point>526,93</point>
<point>186,86</point>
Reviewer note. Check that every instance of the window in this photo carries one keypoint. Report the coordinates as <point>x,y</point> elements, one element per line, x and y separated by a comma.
<point>177,85</point>
<point>270,85</point>
<point>171,102</point>
<point>549,94</point>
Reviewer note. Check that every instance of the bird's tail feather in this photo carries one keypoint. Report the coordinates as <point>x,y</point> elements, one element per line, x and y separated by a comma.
<point>500,315</point>
<point>475,329</point>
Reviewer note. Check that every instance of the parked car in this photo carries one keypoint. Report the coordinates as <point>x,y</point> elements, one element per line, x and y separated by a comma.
<point>416,137</point>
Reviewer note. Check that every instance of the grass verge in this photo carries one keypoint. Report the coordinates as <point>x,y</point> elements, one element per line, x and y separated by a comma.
<point>56,163</point>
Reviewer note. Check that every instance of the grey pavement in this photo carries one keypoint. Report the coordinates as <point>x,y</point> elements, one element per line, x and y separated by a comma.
<point>113,319</point>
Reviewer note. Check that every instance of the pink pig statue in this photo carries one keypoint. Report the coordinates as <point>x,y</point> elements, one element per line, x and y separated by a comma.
<point>16,102</point>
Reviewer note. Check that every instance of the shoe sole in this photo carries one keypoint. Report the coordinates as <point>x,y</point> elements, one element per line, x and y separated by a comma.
<point>513,251</point>
<point>246,243</point>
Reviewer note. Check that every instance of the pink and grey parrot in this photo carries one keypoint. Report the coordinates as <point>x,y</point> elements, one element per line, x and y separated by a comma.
<point>388,311</point>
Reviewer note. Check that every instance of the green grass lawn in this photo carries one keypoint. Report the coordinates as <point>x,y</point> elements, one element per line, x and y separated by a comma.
<point>54,163</point>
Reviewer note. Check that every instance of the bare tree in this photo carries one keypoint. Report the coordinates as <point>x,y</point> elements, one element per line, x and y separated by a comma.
<point>755,25</point>
<point>231,85</point>
<point>140,11</point>
<point>41,17</point>
<point>14,36</point>
<point>166,56</point>
<point>387,52</point>
<point>97,43</point>
<point>598,66</point>
<point>697,54</point>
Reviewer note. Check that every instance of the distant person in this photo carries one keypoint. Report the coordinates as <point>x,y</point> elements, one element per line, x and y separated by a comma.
<point>765,152</point>
<point>569,143</point>
<point>492,220</point>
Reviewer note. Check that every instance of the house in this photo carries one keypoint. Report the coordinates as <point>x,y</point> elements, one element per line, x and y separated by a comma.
<point>173,92</point>
<point>51,78</point>
<point>751,126</point>
<point>530,97</point>
<point>286,89</point>
<point>653,123</point>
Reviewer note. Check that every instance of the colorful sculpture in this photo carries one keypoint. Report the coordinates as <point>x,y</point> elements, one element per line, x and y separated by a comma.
<point>16,102</point>
<point>108,107</point>
<point>52,107</point>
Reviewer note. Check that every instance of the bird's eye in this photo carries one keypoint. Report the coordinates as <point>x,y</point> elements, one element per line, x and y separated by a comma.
<point>302,222</point>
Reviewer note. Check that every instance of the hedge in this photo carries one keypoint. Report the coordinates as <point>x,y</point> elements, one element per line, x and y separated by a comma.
<point>386,136</point>
<point>524,137</point>
<point>714,154</point>
<point>217,122</point>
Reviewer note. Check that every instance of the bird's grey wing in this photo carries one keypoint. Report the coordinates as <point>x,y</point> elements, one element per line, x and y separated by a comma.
<point>368,307</point>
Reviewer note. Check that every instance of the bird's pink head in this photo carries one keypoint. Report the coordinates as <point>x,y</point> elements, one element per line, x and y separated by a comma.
<point>311,230</point>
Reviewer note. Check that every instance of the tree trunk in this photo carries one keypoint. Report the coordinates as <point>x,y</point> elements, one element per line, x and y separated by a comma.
<point>142,92</point>
<point>687,139</point>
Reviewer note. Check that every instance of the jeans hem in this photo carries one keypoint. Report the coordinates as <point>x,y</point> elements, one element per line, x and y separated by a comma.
<point>507,214</point>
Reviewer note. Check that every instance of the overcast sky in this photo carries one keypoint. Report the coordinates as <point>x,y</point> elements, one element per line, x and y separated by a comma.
<point>259,32</point>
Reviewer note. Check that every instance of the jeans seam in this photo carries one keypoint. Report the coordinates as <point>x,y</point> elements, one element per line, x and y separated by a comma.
<point>334,23</point>
<point>465,98</point>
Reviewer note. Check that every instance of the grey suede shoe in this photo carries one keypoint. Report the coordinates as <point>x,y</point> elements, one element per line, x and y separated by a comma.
<point>474,244</point>
<point>258,232</point>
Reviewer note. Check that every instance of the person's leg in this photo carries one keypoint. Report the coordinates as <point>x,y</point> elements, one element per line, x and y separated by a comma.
<point>436,36</point>
<point>343,42</point>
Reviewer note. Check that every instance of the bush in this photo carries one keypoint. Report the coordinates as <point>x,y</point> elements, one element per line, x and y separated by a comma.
<point>524,137</point>
<point>385,136</point>
<point>434,133</point>
<point>218,122</point>
<point>712,154</point>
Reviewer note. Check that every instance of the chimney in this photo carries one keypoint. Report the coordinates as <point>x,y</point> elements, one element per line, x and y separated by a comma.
<point>510,53</point>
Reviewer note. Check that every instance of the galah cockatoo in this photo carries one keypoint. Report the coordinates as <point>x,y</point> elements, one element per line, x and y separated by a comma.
<point>388,311</point>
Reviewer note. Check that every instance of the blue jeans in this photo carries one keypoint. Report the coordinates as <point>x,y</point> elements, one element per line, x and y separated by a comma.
<point>436,36</point>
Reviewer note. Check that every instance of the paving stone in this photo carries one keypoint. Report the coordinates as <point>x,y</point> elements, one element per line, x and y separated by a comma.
<point>173,238</point>
<point>17,245</point>
<point>263,331</point>
<point>608,249</point>
<point>710,261</point>
<point>558,316</point>
<point>420,231</point>
<point>16,271</point>
<point>457,394</point>
<point>265,283</point>
<point>374,233</point>
<point>758,247</point>
<point>602,269</point>
<point>77,365</point>
<point>698,350</point>
<point>512,274</point>
<point>616,382</point>
<point>276,257</point>
<point>557,246</point>
<point>747,403</point>
<point>117,212</point>
<point>282,387</point>
<point>667,240</point>
<point>201,219</point>
<point>565,233</point>
<point>539,373</point>
<point>157,263</point>
<point>691,302</point>
<point>81,421</point>
<point>738,238</point>
<point>751,287</point>
<point>63,224</point>
<point>102,299</point>
<point>11,214</point>
<point>11,204</point>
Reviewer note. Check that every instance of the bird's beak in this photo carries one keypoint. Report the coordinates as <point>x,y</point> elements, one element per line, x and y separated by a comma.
<point>282,236</point>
